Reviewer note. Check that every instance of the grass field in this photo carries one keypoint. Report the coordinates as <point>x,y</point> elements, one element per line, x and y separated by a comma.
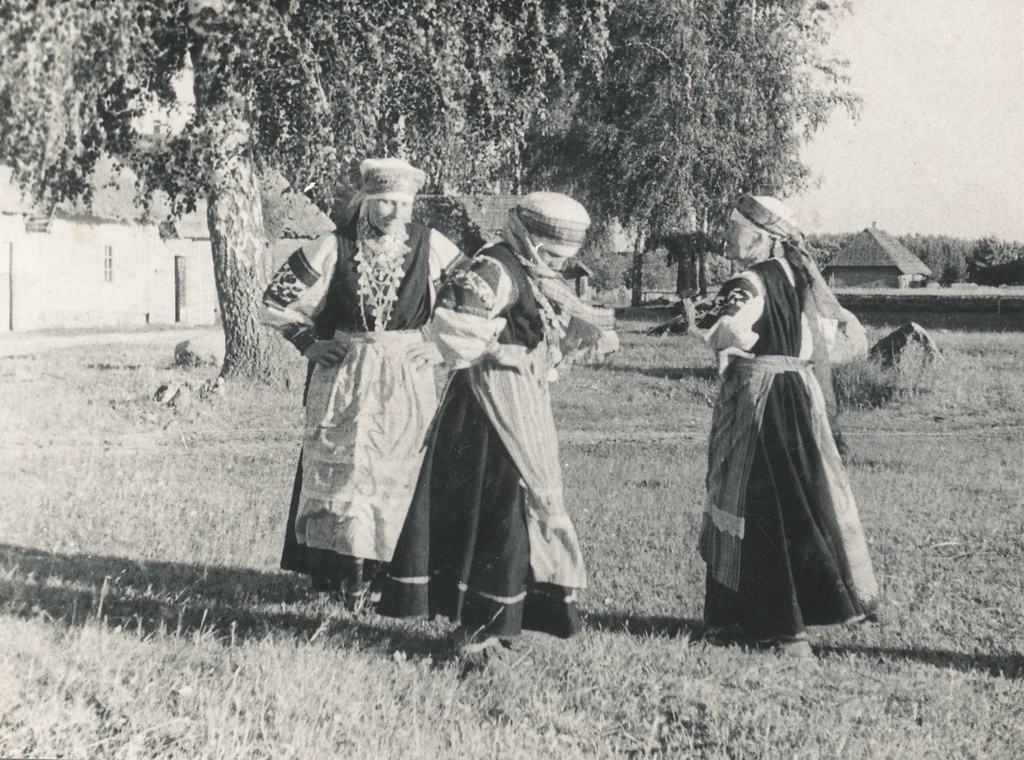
<point>142,614</point>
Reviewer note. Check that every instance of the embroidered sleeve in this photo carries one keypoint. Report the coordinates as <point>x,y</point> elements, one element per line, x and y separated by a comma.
<point>738,305</point>
<point>466,322</point>
<point>297,291</point>
<point>845,338</point>
<point>483,289</point>
<point>445,257</point>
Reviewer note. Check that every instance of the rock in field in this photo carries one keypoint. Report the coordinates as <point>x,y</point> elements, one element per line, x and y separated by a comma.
<point>206,349</point>
<point>889,350</point>
<point>165,393</point>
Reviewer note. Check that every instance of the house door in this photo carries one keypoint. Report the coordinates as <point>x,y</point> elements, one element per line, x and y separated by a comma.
<point>180,290</point>
<point>6,287</point>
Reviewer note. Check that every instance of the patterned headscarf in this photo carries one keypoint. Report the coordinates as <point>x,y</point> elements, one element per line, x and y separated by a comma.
<point>774,217</point>
<point>557,302</point>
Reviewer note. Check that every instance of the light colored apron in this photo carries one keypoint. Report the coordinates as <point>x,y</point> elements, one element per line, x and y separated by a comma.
<point>513,391</point>
<point>734,433</point>
<point>366,421</point>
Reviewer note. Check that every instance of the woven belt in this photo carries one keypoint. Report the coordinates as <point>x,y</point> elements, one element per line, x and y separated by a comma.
<point>773,363</point>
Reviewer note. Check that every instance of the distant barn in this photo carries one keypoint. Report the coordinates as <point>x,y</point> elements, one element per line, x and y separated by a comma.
<point>875,259</point>
<point>488,212</point>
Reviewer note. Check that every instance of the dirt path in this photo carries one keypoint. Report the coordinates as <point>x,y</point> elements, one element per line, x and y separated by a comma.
<point>19,344</point>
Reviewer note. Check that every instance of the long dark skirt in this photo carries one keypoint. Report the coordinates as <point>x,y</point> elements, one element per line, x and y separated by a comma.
<point>464,551</point>
<point>791,571</point>
<point>328,570</point>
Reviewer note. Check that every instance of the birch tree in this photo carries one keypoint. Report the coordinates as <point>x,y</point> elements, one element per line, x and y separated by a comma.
<point>304,87</point>
<point>697,103</point>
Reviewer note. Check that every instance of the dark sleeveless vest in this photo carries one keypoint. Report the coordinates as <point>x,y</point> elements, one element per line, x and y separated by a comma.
<point>779,324</point>
<point>524,325</point>
<point>341,307</point>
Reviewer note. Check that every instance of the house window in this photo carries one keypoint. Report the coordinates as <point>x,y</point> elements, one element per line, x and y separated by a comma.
<point>108,263</point>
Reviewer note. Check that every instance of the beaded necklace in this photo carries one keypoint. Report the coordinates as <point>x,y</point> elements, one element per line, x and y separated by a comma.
<point>379,263</point>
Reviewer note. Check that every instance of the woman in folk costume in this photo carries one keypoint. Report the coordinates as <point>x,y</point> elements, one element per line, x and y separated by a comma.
<point>781,537</point>
<point>355,303</point>
<point>488,542</point>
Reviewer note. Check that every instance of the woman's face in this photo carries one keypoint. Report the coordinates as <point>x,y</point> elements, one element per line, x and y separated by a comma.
<point>743,241</point>
<point>558,263</point>
<point>389,215</point>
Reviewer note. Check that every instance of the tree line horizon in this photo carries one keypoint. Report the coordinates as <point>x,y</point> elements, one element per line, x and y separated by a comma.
<point>641,109</point>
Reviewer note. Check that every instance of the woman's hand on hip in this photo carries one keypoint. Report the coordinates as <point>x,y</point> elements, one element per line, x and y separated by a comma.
<point>726,355</point>
<point>424,355</point>
<point>326,353</point>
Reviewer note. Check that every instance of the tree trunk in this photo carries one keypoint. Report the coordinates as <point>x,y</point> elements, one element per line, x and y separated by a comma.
<point>234,210</point>
<point>638,271</point>
<point>235,218</point>
<point>702,273</point>
<point>702,257</point>
<point>687,254</point>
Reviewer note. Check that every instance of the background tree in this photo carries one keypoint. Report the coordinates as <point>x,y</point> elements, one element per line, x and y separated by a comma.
<point>459,88</point>
<point>303,88</point>
<point>77,77</point>
<point>996,262</point>
<point>946,256</point>
<point>826,246</point>
<point>698,102</point>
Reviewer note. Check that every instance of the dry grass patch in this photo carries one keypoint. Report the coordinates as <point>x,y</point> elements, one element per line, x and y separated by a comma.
<point>142,614</point>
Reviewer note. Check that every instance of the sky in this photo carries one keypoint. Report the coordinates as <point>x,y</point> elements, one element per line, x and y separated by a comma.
<point>939,145</point>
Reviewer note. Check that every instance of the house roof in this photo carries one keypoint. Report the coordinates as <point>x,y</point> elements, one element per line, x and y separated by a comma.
<point>488,212</point>
<point>291,214</point>
<point>114,199</point>
<point>286,214</point>
<point>191,226</point>
<point>876,248</point>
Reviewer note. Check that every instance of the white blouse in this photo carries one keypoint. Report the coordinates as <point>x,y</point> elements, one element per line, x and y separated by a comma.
<point>298,291</point>
<point>741,303</point>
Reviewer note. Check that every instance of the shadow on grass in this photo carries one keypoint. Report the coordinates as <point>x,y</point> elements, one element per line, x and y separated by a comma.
<point>1006,665</point>
<point>664,373</point>
<point>643,625</point>
<point>229,604</point>
<point>237,604</point>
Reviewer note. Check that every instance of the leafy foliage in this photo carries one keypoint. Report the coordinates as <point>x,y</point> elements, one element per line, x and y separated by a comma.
<point>66,95</point>
<point>945,256</point>
<point>825,247</point>
<point>996,262</point>
<point>303,88</point>
<point>307,88</point>
<point>699,102</point>
<point>983,261</point>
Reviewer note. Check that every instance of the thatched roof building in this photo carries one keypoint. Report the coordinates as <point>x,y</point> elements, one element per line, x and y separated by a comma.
<point>875,259</point>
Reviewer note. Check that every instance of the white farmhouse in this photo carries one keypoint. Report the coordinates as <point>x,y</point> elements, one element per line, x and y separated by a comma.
<point>77,270</point>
